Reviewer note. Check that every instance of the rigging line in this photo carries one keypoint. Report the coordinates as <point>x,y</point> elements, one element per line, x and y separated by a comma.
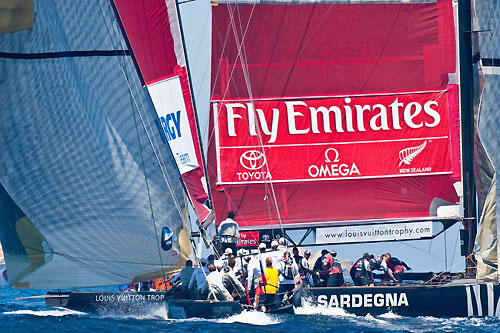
<point>246,72</point>
<point>158,159</point>
<point>441,273</point>
<point>229,8</point>
<point>445,252</point>
<point>244,64</point>
<point>224,44</point>
<point>152,129</point>
<point>158,241</point>
<point>233,204</point>
<point>244,67</point>
<point>419,249</point>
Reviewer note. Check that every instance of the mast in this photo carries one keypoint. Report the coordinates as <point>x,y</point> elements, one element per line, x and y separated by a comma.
<point>194,105</point>
<point>467,125</point>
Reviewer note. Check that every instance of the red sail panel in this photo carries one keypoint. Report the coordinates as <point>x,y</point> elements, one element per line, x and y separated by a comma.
<point>315,60</point>
<point>153,31</point>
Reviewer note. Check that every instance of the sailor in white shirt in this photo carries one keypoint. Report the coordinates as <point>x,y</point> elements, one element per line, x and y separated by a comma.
<point>216,285</point>
<point>282,245</point>
<point>254,270</point>
<point>228,253</point>
<point>230,280</point>
<point>276,255</point>
<point>229,232</point>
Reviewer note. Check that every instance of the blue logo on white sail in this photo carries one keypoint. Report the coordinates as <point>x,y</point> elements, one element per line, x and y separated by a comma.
<point>166,239</point>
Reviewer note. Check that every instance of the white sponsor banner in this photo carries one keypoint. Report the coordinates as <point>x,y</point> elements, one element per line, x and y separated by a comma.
<point>170,107</point>
<point>374,232</point>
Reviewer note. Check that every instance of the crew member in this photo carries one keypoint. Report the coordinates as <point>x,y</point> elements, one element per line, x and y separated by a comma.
<point>254,271</point>
<point>288,275</point>
<point>228,253</point>
<point>305,269</point>
<point>397,266</point>
<point>336,273</point>
<point>269,289</point>
<point>216,287</point>
<point>199,278</point>
<point>296,256</point>
<point>275,254</point>
<point>282,245</point>
<point>230,280</point>
<point>229,233</point>
<point>360,271</point>
<point>320,276</point>
<point>380,263</point>
<point>185,276</point>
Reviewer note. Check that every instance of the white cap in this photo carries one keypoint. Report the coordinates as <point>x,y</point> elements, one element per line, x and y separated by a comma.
<point>281,241</point>
<point>219,263</point>
<point>241,252</point>
<point>274,243</point>
<point>229,250</point>
<point>262,246</point>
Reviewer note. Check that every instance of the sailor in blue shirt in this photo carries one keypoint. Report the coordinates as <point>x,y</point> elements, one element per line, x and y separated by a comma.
<point>185,276</point>
<point>199,277</point>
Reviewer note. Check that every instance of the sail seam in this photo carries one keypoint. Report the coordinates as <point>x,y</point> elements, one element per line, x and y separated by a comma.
<point>64,54</point>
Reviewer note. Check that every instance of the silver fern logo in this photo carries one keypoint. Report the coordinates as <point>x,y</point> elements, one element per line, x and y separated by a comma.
<point>408,154</point>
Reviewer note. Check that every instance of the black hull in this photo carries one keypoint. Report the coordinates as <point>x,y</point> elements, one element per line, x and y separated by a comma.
<point>451,300</point>
<point>118,302</point>
<point>182,309</point>
<point>140,303</point>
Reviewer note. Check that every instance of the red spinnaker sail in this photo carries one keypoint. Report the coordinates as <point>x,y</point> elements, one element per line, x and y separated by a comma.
<point>153,31</point>
<point>333,112</point>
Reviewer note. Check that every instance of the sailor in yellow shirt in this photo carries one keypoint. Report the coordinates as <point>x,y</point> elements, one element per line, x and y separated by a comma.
<point>271,287</point>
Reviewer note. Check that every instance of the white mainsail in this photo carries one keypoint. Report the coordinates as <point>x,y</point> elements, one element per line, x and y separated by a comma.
<point>87,184</point>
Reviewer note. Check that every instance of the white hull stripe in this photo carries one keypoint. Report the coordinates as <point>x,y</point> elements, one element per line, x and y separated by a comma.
<point>477,293</point>
<point>469,301</point>
<point>491,299</point>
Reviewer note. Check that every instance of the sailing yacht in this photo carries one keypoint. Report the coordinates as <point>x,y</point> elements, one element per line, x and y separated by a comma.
<point>341,121</point>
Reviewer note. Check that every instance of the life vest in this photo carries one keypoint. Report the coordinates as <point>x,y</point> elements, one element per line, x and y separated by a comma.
<point>398,269</point>
<point>359,267</point>
<point>163,284</point>
<point>271,286</point>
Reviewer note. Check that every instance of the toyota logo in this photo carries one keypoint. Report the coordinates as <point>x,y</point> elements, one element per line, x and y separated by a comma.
<point>252,160</point>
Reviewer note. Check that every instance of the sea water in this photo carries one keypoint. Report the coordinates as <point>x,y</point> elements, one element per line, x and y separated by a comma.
<point>28,315</point>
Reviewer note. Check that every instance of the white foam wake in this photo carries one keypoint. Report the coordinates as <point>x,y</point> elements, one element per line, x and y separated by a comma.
<point>390,315</point>
<point>251,317</point>
<point>46,313</point>
<point>308,309</point>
